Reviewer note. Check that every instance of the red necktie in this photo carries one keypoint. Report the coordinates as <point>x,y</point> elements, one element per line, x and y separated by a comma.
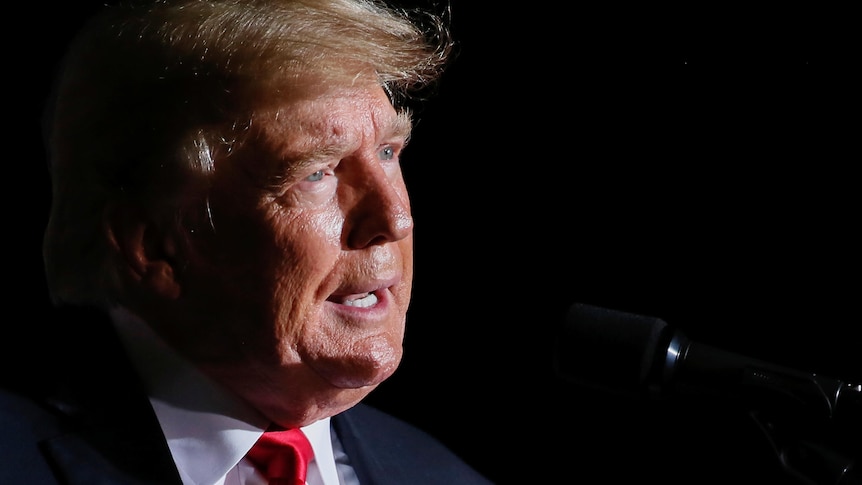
<point>282,455</point>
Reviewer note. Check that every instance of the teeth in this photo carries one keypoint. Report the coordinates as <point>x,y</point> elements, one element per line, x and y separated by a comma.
<point>364,302</point>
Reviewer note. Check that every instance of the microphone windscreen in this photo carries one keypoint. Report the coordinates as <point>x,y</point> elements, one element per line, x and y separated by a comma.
<point>608,349</point>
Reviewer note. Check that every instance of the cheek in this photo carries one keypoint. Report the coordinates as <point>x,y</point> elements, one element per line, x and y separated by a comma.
<point>330,226</point>
<point>305,251</point>
<point>312,241</point>
<point>276,254</point>
<point>406,249</point>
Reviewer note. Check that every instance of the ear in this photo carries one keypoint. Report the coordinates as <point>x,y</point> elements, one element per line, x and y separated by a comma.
<point>145,251</point>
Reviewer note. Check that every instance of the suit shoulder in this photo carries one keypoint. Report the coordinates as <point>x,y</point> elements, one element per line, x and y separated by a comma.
<point>410,454</point>
<point>25,423</point>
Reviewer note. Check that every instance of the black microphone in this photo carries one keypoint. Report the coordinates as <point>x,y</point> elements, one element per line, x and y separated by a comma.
<point>640,356</point>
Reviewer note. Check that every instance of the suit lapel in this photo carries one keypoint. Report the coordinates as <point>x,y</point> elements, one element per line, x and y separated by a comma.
<point>369,467</point>
<point>375,457</point>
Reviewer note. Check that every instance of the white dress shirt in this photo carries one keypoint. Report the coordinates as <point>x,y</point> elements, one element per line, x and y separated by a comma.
<point>209,430</point>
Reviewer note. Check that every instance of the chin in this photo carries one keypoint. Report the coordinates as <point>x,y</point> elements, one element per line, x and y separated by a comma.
<point>361,382</point>
<point>362,373</point>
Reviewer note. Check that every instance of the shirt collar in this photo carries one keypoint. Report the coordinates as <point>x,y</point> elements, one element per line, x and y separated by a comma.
<point>208,429</point>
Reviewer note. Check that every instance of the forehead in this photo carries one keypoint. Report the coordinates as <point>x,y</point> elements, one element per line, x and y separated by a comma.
<point>339,118</point>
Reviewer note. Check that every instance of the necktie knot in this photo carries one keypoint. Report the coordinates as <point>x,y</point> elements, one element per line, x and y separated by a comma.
<point>282,455</point>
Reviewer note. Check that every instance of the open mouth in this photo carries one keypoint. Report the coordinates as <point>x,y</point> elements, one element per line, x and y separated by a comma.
<point>362,300</point>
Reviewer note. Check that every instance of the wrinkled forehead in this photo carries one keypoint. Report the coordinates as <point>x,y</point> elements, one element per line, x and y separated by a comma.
<point>339,118</point>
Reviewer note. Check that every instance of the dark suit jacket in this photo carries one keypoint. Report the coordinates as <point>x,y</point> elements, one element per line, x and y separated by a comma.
<point>81,417</point>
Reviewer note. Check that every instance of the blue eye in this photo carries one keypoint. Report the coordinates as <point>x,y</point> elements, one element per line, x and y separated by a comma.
<point>387,153</point>
<point>316,176</point>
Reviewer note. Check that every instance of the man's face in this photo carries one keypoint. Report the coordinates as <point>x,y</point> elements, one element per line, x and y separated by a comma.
<point>305,275</point>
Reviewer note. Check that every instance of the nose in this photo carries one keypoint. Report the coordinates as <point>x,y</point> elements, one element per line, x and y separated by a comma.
<point>380,208</point>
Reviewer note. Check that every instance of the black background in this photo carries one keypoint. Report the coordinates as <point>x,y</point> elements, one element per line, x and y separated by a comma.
<point>697,165</point>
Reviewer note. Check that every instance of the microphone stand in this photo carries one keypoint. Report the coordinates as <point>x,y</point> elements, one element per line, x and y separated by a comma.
<point>820,448</point>
<point>812,422</point>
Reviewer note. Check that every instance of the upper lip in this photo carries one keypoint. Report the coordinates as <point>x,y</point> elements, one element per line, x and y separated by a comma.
<point>352,291</point>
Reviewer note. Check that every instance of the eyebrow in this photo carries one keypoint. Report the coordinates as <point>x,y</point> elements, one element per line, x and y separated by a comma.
<point>398,127</point>
<point>401,126</point>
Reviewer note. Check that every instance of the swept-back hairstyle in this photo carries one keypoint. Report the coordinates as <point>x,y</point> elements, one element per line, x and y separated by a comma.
<point>151,94</point>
